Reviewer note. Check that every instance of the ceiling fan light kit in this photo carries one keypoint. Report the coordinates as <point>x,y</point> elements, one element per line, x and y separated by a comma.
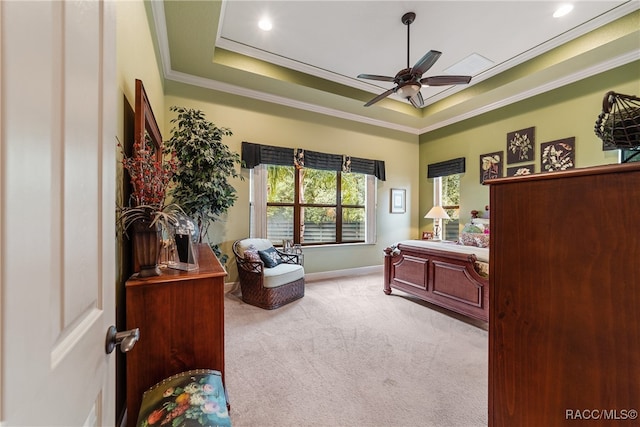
<point>409,81</point>
<point>409,89</point>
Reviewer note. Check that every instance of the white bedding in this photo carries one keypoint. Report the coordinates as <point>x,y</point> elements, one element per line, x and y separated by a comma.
<point>482,254</point>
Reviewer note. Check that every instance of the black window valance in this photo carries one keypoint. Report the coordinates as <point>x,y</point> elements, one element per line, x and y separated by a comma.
<point>255,154</point>
<point>448,167</point>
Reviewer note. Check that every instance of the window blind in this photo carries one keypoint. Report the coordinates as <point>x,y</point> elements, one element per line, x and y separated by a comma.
<point>256,154</point>
<point>448,167</point>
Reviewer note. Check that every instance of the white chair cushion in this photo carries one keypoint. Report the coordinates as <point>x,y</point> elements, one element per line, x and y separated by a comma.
<point>282,274</point>
<point>259,244</point>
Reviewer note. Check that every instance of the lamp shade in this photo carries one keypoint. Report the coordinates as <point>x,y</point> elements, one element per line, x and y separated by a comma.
<point>437,212</point>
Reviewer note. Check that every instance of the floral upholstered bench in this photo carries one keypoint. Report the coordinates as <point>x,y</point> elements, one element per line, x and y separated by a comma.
<point>192,398</point>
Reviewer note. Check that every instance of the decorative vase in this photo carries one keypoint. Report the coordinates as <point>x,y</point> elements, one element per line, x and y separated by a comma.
<point>147,242</point>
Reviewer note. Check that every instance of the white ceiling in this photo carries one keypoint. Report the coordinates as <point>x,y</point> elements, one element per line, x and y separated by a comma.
<point>338,40</point>
<point>328,43</point>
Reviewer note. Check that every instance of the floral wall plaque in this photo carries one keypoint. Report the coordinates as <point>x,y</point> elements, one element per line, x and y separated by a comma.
<point>491,165</point>
<point>558,155</point>
<point>521,145</point>
<point>520,170</point>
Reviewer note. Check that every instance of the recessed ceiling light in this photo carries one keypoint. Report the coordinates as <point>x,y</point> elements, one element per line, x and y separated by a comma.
<point>265,24</point>
<point>563,10</point>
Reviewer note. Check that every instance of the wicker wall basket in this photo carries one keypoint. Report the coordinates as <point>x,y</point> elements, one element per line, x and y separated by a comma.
<point>618,125</point>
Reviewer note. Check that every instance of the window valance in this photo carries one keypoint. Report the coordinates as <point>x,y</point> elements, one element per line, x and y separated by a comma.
<point>446,168</point>
<point>255,154</point>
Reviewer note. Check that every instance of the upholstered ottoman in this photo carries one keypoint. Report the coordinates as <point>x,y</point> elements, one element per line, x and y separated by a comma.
<point>192,398</point>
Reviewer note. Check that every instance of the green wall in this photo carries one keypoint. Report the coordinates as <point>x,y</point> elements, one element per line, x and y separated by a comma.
<point>570,111</point>
<point>136,59</point>
<point>565,112</point>
<point>265,123</point>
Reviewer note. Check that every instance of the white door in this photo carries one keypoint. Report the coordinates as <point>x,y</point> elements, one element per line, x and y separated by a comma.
<point>57,167</point>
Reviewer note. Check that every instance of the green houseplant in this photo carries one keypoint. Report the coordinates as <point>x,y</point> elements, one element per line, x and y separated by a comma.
<point>205,166</point>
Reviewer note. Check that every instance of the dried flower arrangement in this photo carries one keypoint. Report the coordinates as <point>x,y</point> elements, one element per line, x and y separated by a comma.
<point>150,176</point>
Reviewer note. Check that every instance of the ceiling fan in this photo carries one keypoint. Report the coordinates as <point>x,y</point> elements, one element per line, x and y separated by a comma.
<point>409,80</point>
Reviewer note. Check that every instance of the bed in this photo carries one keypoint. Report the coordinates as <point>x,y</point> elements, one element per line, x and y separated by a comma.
<point>447,274</point>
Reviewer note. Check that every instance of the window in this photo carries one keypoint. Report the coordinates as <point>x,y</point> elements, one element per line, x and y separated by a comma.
<point>628,156</point>
<point>312,206</point>
<point>447,192</point>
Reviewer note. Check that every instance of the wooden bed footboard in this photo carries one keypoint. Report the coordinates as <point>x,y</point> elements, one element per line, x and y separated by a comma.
<point>446,279</point>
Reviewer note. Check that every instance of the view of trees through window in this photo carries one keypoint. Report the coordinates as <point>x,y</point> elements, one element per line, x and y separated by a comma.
<point>314,206</point>
<point>450,199</point>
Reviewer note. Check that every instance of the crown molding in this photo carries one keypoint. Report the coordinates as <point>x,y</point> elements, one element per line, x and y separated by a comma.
<point>162,35</point>
<point>170,74</point>
<point>563,81</point>
<point>536,51</point>
<point>280,100</point>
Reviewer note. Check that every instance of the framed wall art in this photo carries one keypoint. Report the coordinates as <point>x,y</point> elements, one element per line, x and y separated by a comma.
<point>491,166</point>
<point>558,155</point>
<point>520,170</point>
<point>398,200</point>
<point>521,146</point>
<point>427,235</point>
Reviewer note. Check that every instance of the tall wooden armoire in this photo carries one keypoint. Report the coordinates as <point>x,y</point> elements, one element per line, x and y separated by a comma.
<point>564,322</point>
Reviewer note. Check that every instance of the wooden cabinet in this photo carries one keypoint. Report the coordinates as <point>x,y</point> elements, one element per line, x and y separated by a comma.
<point>564,310</point>
<point>181,319</point>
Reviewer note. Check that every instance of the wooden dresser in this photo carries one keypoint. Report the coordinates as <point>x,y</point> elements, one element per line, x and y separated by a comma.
<point>181,319</point>
<point>564,310</point>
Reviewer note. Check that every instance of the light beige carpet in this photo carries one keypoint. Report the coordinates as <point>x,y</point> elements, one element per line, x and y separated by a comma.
<point>348,355</point>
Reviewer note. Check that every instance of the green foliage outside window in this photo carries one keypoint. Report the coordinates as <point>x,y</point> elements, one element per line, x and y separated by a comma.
<point>318,200</point>
<point>451,194</point>
<point>280,184</point>
<point>450,199</point>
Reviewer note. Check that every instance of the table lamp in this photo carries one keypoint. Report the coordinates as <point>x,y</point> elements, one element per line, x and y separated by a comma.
<point>436,213</point>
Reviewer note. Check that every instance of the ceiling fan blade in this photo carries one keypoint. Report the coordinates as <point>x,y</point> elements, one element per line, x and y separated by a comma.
<point>375,77</point>
<point>413,101</point>
<point>381,96</point>
<point>416,100</point>
<point>445,80</point>
<point>425,62</point>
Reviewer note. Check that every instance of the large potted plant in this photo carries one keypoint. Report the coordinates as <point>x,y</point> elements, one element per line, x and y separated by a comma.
<point>205,167</point>
<point>147,214</point>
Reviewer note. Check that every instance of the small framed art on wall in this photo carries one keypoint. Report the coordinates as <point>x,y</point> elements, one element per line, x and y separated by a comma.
<point>398,200</point>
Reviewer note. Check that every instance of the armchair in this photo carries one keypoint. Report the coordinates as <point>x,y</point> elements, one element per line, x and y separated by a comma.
<point>267,287</point>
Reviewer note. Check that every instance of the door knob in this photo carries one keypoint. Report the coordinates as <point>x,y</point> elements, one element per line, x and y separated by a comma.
<point>125,339</point>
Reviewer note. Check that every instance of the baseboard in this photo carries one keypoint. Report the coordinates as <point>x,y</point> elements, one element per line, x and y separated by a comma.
<point>231,286</point>
<point>347,272</point>
<point>323,275</point>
